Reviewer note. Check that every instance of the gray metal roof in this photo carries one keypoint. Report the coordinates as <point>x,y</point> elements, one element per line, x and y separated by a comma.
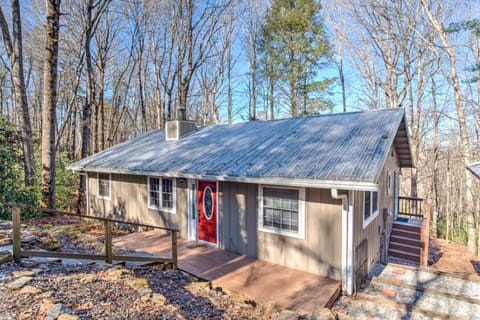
<point>475,169</point>
<point>333,147</point>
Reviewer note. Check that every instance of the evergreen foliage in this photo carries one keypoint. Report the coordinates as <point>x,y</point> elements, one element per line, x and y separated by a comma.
<point>294,49</point>
<point>12,189</point>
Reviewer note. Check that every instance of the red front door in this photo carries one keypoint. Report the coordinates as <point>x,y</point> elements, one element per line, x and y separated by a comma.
<point>207,209</point>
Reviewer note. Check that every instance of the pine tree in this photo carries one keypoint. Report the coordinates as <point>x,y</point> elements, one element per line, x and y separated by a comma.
<point>294,46</point>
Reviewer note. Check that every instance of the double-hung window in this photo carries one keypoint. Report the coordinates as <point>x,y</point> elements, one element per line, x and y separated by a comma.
<point>161,194</point>
<point>281,211</point>
<point>104,186</point>
<point>370,207</point>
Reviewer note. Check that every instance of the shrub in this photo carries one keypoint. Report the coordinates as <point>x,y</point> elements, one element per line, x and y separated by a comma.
<point>12,189</point>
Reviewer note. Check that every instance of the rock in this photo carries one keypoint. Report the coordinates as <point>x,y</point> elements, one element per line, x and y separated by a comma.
<point>47,303</point>
<point>139,284</point>
<point>5,256</point>
<point>323,314</point>
<point>67,316</point>
<point>20,282</point>
<point>30,290</point>
<point>287,315</point>
<point>88,279</point>
<point>47,294</point>
<point>29,239</point>
<point>115,273</point>
<point>179,316</point>
<point>19,274</point>
<point>45,260</point>
<point>5,242</point>
<point>158,298</point>
<point>28,263</point>
<point>54,311</point>
<point>37,271</point>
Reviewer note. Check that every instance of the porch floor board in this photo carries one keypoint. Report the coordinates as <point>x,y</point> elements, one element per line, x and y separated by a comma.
<point>258,279</point>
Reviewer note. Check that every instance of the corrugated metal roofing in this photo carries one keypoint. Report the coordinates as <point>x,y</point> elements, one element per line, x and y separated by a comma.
<point>475,169</point>
<point>334,147</point>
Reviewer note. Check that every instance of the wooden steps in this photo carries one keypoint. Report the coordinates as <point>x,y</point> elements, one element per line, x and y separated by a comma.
<point>405,242</point>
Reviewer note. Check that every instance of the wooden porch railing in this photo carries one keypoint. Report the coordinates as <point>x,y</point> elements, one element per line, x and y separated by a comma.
<point>411,207</point>
<point>418,208</point>
<point>18,252</point>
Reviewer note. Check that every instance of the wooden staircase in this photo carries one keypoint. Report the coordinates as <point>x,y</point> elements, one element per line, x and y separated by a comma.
<point>406,242</point>
<point>409,238</point>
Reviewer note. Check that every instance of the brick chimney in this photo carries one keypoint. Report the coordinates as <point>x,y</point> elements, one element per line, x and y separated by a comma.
<point>175,129</point>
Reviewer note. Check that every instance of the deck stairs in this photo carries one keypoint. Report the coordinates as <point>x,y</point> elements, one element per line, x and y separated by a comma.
<point>406,242</point>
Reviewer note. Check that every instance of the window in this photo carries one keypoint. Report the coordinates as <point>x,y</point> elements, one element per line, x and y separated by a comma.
<point>281,211</point>
<point>389,182</point>
<point>161,194</point>
<point>370,207</point>
<point>104,187</point>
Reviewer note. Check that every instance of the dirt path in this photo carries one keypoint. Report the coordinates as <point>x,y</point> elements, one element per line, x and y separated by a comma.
<point>452,257</point>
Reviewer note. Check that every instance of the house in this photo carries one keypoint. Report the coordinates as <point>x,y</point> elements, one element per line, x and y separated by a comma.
<point>313,193</point>
<point>475,169</point>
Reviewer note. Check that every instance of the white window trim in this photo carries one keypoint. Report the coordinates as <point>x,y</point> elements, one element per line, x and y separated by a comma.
<point>374,214</point>
<point>109,187</point>
<point>301,214</point>
<point>172,210</point>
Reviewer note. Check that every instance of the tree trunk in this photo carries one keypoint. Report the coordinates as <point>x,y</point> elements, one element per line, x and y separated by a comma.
<point>435,162</point>
<point>49,104</point>
<point>101,108</point>
<point>342,83</point>
<point>15,55</point>
<point>229,83</point>
<point>87,113</point>
<point>466,149</point>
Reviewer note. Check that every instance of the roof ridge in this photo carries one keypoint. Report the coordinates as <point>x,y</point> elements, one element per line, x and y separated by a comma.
<point>308,116</point>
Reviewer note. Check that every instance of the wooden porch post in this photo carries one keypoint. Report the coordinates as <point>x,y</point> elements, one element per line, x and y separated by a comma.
<point>17,241</point>
<point>425,235</point>
<point>108,241</point>
<point>174,249</point>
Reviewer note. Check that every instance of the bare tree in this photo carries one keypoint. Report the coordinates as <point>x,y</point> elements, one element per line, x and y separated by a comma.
<point>91,18</point>
<point>14,48</point>
<point>49,104</point>
<point>454,80</point>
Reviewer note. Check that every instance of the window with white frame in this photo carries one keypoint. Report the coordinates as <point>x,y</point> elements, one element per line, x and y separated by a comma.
<point>281,211</point>
<point>370,206</point>
<point>104,185</point>
<point>161,194</point>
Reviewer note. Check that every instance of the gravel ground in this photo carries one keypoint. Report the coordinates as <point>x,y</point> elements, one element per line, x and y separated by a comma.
<point>426,301</point>
<point>438,282</point>
<point>101,291</point>
<point>364,310</point>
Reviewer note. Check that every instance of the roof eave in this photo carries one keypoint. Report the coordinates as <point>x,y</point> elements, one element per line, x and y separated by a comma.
<point>293,182</point>
<point>404,141</point>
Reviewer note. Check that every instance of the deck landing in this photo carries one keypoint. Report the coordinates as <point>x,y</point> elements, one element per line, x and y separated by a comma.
<point>288,288</point>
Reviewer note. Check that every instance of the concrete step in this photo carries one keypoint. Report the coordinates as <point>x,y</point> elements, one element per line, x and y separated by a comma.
<point>411,257</point>
<point>405,247</point>
<point>405,240</point>
<point>406,234</point>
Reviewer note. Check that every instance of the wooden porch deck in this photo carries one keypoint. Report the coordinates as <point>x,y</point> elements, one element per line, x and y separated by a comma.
<point>261,280</point>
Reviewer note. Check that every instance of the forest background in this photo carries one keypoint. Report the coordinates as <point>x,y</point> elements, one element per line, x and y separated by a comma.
<point>77,77</point>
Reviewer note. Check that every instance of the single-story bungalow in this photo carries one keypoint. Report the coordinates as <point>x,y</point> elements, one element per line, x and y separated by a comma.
<point>314,193</point>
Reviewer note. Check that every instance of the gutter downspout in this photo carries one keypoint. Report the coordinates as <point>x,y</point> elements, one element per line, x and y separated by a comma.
<point>347,238</point>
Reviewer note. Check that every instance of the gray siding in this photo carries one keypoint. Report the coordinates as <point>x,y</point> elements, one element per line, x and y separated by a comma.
<point>128,201</point>
<point>319,252</point>
<point>377,233</point>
